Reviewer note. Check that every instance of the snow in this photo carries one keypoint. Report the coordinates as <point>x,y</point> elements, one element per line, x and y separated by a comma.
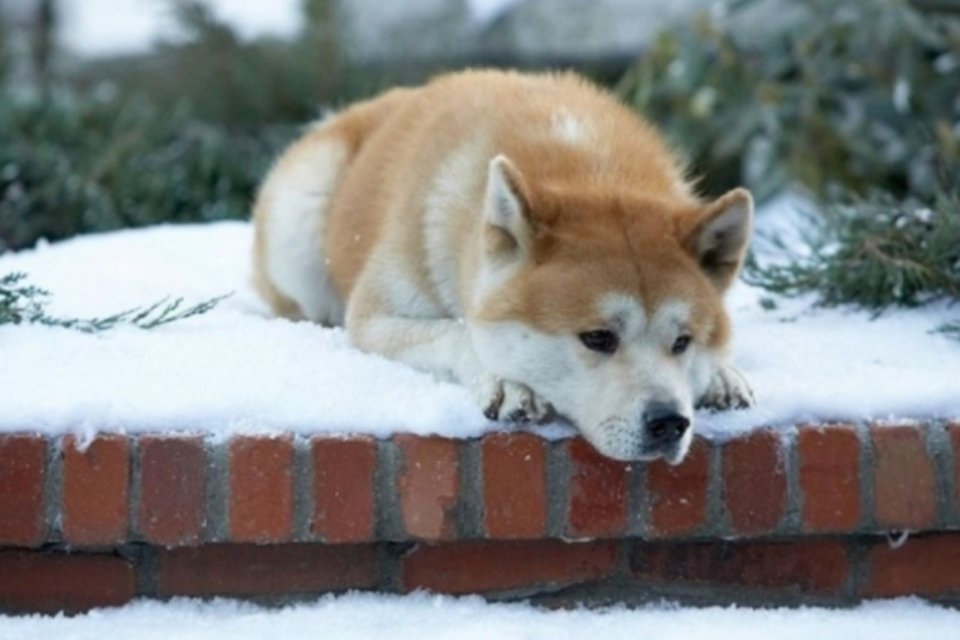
<point>107,27</point>
<point>359,616</point>
<point>237,369</point>
<point>486,11</point>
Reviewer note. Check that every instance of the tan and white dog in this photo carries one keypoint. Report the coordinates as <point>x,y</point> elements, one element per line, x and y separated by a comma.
<point>525,235</point>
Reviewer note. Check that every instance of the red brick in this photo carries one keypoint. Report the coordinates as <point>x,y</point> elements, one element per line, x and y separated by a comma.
<point>953,429</point>
<point>96,484</point>
<point>22,472</point>
<point>428,485</point>
<point>514,485</point>
<point>343,488</point>
<point>274,569</point>
<point>904,486</point>
<point>41,582</point>
<point>261,489</point>
<point>173,485</point>
<point>477,567</point>
<point>925,565</point>
<point>754,482</point>
<point>829,477</point>
<point>678,494</point>
<point>598,493</point>
<point>819,565</point>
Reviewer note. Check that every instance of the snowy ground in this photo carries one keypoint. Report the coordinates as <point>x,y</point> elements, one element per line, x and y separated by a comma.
<point>370,617</point>
<point>237,369</point>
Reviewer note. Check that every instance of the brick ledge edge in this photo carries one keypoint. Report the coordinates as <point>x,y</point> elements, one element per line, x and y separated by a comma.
<point>796,516</point>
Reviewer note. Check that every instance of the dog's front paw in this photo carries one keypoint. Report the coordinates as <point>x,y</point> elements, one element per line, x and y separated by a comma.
<point>728,390</point>
<point>512,402</point>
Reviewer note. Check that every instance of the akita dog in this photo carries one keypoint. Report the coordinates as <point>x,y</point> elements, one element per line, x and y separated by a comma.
<point>525,235</point>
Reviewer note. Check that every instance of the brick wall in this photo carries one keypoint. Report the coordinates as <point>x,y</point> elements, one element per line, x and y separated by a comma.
<point>802,515</point>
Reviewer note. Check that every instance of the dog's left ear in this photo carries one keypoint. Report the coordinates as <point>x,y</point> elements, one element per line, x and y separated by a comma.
<point>506,211</point>
<point>720,236</point>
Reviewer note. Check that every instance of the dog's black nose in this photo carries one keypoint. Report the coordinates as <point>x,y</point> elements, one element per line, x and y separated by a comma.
<point>664,425</point>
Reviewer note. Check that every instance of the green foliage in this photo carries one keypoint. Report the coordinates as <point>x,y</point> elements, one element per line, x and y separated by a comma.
<point>231,81</point>
<point>857,102</point>
<point>950,329</point>
<point>842,96</point>
<point>22,303</point>
<point>184,134</point>
<point>877,252</point>
<point>79,163</point>
<point>19,302</point>
<point>4,53</point>
<point>237,82</point>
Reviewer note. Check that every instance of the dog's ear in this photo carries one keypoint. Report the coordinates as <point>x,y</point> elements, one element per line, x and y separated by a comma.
<point>720,235</point>
<point>506,211</point>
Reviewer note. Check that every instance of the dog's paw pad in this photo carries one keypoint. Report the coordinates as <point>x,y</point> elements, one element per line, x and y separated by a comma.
<point>728,390</point>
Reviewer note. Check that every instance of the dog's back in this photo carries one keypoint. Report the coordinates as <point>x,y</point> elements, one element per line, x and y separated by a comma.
<point>422,153</point>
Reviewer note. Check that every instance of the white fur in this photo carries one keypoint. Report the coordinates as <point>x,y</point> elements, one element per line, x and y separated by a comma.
<point>296,202</point>
<point>457,176</point>
<point>440,346</point>
<point>625,313</point>
<point>569,128</point>
<point>670,320</point>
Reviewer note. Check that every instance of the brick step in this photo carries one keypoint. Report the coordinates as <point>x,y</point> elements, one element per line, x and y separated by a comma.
<point>804,514</point>
<point>823,570</point>
<point>184,490</point>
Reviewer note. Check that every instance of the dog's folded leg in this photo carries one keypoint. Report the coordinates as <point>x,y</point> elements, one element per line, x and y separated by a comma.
<point>442,347</point>
<point>728,389</point>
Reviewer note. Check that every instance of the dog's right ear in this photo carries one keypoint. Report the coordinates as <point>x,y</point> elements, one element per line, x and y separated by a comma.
<point>506,211</point>
<point>720,236</point>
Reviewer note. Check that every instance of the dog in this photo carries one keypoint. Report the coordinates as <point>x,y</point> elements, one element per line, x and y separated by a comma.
<point>525,235</point>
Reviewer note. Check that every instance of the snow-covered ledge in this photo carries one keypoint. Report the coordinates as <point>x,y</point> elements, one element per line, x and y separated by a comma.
<point>237,454</point>
<point>237,370</point>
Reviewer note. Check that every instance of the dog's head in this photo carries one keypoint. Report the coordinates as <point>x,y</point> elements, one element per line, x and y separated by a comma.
<point>607,304</point>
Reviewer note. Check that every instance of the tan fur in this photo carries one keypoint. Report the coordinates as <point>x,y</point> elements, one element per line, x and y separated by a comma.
<point>351,128</point>
<point>419,130</point>
<point>410,252</point>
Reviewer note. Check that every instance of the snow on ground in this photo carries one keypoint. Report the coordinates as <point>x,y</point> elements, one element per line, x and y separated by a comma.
<point>369,617</point>
<point>237,369</point>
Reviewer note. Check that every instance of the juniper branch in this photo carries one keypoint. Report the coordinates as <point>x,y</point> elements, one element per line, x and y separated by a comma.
<point>950,329</point>
<point>876,252</point>
<point>21,303</point>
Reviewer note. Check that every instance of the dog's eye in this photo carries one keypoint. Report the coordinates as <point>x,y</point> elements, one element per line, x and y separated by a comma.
<point>680,345</point>
<point>601,340</point>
